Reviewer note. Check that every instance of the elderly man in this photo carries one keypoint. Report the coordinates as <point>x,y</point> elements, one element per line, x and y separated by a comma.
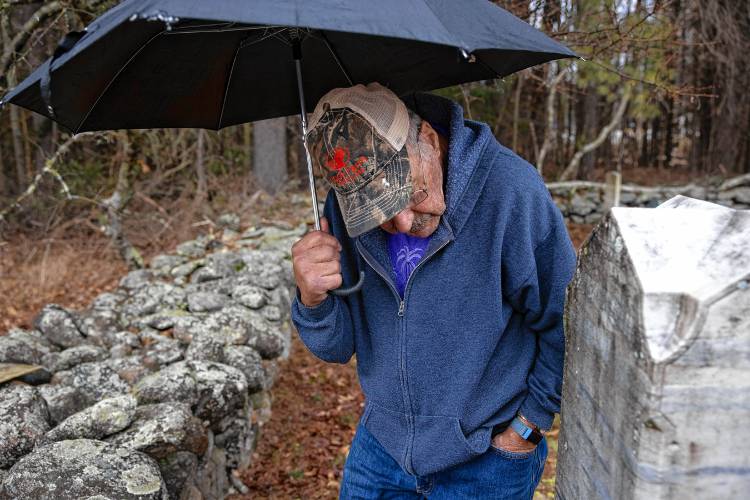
<point>458,326</point>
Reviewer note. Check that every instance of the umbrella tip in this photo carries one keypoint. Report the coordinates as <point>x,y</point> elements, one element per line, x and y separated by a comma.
<point>582,58</point>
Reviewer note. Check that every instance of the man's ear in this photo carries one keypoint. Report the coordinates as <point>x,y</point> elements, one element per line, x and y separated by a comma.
<point>429,135</point>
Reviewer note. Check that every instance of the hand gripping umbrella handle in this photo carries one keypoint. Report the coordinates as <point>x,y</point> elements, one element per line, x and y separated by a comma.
<point>297,53</point>
<point>341,292</point>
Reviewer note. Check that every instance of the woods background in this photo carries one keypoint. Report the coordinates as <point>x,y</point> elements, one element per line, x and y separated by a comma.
<point>662,97</point>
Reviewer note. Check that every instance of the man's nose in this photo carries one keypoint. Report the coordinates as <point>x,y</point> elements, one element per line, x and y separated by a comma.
<point>403,220</point>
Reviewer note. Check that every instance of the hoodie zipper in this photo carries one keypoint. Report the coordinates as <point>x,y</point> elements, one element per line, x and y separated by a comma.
<point>402,342</point>
<point>401,362</point>
<point>410,414</point>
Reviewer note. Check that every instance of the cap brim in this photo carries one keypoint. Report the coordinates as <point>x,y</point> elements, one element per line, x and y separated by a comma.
<point>380,199</point>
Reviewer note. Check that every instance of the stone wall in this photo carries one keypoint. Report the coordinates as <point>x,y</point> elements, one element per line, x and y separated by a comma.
<point>584,202</point>
<point>656,386</point>
<point>158,389</point>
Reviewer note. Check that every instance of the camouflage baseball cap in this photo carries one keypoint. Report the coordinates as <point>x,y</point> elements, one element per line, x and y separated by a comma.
<point>358,139</point>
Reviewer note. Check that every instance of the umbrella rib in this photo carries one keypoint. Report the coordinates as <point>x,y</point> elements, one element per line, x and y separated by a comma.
<point>111,81</point>
<point>241,45</point>
<point>200,29</point>
<point>487,66</point>
<point>336,58</point>
<point>229,81</point>
<point>223,26</point>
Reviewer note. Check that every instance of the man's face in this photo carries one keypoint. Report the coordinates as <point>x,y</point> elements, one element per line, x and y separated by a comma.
<point>426,163</point>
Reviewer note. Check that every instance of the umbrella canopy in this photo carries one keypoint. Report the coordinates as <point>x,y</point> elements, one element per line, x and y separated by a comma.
<point>193,63</point>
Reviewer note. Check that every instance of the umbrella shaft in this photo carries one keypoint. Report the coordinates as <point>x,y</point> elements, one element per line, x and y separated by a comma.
<point>303,119</point>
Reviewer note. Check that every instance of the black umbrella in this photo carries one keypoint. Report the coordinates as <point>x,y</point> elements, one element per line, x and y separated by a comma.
<point>212,64</point>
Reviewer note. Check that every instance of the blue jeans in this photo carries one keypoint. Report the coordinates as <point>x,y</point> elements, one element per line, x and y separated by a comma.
<point>370,472</point>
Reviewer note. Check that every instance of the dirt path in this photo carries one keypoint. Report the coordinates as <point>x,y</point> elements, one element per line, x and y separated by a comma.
<point>316,407</point>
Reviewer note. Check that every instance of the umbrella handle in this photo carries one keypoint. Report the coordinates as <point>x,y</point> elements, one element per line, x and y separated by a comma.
<point>342,292</point>
<point>297,54</point>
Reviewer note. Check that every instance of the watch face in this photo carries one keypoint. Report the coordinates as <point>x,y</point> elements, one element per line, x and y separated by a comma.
<point>535,436</point>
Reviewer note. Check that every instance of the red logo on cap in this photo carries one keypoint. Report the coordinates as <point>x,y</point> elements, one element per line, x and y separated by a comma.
<point>346,172</point>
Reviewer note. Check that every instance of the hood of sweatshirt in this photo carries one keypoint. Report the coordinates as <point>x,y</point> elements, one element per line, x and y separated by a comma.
<point>465,177</point>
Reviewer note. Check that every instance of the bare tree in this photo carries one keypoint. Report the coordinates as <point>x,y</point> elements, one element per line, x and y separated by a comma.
<point>50,167</point>
<point>200,168</point>
<point>15,46</point>
<point>551,130</point>
<point>725,33</point>
<point>571,171</point>
<point>115,205</point>
<point>269,153</point>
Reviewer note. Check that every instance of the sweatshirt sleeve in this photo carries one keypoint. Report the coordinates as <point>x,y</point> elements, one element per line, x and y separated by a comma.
<point>544,263</point>
<point>327,329</point>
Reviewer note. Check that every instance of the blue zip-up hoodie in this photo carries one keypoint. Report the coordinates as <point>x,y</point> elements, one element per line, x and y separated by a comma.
<point>478,336</point>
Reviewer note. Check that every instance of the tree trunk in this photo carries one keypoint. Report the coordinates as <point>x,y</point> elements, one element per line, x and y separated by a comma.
<point>550,130</point>
<point>571,136</point>
<point>590,128</point>
<point>269,158</point>
<point>26,140</point>
<point>247,144</point>
<point>200,169</point>
<point>516,111</point>
<point>668,130</point>
<point>15,128</point>
<point>3,183</point>
<point>15,131</point>
<point>115,206</point>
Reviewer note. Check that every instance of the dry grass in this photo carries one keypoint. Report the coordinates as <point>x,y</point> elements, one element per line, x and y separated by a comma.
<point>69,272</point>
<point>70,261</point>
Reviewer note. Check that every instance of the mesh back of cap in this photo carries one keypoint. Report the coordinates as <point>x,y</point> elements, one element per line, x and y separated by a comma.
<point>376,104</point>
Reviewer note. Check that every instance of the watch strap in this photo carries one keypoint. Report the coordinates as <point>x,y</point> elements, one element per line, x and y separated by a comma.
<point>528,433</point>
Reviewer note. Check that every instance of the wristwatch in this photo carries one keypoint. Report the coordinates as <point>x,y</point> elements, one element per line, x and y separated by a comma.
<point>530,432</point>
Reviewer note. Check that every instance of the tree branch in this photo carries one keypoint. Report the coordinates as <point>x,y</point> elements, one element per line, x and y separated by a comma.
<point>40,16</point>
<point>115,204</point>
<point>571,170</point>
<point>49,168</point>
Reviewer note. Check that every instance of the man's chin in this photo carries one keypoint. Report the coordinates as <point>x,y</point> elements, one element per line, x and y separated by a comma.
<point>425,231</point>
<point>422,232</point>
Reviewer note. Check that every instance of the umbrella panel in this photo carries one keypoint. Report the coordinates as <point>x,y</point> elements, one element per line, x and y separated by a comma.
<point>213,79</point>
<point>176,80</point>
<point>88,73</point>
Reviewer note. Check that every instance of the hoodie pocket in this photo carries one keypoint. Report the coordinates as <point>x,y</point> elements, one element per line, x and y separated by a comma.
<point>389,428</point>
<point>439,443</point>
